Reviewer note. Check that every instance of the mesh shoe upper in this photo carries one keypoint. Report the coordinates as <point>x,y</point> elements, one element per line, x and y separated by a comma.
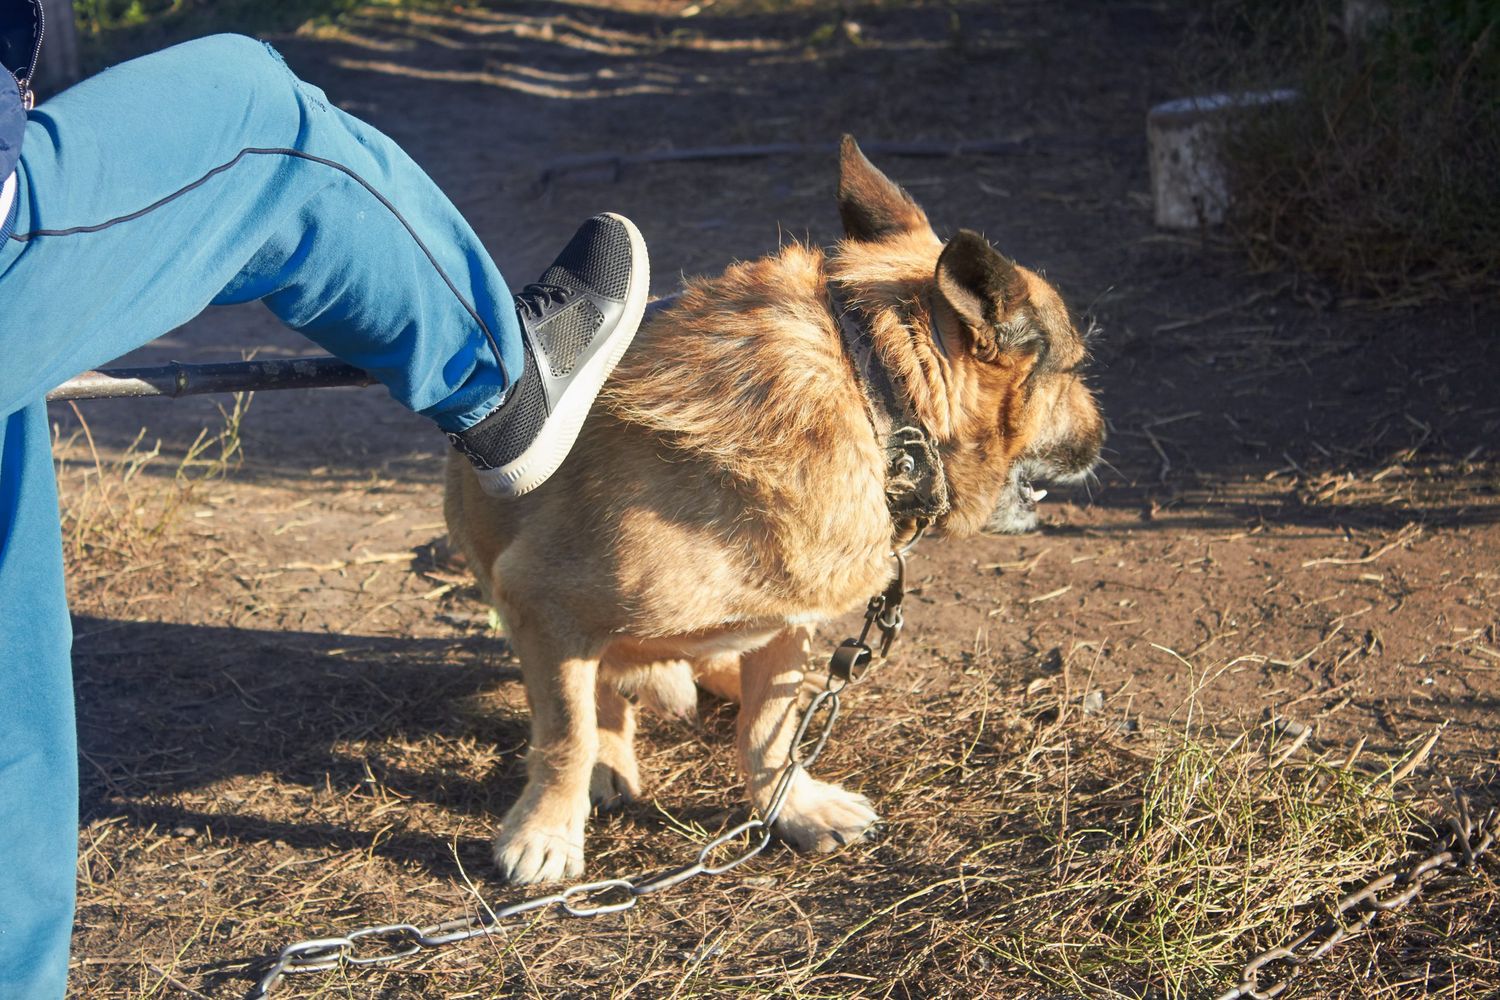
<point>493,442</point>
<point>596,259</point>
<point>566,318</point>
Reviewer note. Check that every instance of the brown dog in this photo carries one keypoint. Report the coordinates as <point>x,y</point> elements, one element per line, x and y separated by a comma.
<point>744,476</point>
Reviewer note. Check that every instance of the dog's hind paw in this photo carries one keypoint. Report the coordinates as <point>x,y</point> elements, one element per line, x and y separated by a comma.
<point>613,784</point>
<point>527,853</point>
<point>668,690</point>
<point>821,817</point>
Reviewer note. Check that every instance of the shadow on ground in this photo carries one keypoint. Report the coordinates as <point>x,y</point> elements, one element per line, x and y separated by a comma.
<point>168,709</point>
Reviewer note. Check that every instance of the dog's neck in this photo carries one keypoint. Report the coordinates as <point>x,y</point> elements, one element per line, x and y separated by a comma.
<point>916,489</point>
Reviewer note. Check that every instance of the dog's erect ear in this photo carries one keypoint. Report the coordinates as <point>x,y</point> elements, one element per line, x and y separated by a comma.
<point>978,289</point>
<point>871,206</point>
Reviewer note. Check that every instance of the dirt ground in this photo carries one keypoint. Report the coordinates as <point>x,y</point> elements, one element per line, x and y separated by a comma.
<point>295,719</point>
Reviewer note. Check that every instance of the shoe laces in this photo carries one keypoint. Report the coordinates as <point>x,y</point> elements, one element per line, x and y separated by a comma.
<point>540,299</point>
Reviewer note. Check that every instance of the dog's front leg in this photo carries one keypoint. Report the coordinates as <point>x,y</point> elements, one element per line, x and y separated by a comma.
<point>541,836</point>
<point>817,816</point>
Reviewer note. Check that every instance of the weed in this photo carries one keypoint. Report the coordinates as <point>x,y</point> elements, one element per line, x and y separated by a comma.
<point>1220,855</point>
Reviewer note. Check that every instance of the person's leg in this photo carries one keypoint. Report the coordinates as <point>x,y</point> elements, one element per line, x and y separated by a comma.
<point>207,173</point>
<point>38,755</point>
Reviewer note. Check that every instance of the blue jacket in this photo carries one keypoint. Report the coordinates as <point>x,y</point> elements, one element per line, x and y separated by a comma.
<point>21,27</point>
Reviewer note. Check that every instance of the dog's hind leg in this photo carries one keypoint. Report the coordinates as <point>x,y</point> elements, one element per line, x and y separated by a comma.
<point>541,836</point>
<point>719,675</point>
<point>817,816</point>
<point>665,687</point>
<point>616,778</point>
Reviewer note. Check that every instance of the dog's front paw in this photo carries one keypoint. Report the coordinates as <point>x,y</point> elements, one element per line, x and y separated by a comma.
<point>536,852</point>
<point>821,817</point>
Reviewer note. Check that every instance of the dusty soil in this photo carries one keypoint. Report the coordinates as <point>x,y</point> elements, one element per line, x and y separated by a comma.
<point>294,717</point>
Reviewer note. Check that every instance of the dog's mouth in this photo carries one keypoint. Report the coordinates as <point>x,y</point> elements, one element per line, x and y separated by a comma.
<point>1030,496</point>
<point>1015,513</point>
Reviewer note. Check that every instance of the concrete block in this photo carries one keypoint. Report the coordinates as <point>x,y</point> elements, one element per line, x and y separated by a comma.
<point>1362,18</point>
<point>1189,186</point>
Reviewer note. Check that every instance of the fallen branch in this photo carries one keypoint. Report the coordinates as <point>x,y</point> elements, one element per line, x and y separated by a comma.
<point>1402,537</point>
<point>619,161</point>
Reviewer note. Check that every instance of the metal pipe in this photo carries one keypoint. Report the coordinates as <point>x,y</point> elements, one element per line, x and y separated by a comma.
<point>178,378</point>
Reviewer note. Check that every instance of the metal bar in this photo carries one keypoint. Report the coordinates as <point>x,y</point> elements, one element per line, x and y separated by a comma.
<point>619,161</point>
<point>179,379</point>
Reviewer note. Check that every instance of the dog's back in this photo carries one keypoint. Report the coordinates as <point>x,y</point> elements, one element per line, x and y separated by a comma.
<point>727,473</point>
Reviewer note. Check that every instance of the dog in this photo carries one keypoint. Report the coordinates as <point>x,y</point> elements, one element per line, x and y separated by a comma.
<point>744,476</point>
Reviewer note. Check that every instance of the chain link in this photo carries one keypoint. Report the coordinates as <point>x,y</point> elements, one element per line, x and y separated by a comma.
<point>1464,844</point>
<point>850,664</point>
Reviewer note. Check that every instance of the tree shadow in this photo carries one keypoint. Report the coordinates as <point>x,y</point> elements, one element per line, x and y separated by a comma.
<point>178,723</point>
<point>168,709</point>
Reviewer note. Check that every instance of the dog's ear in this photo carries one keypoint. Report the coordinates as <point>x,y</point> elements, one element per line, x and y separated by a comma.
<point>871,206</point>
<point>978,290</point>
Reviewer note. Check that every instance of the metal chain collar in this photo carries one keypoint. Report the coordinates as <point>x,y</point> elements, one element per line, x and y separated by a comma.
<point>851,663</point>
<point>1465,843</point>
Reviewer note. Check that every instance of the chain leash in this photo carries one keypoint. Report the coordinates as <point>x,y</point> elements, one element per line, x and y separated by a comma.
<point>382,944</point>
<point>1464,844</point>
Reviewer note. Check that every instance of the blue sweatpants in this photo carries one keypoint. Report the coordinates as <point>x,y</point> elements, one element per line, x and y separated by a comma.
<point>205,174</point>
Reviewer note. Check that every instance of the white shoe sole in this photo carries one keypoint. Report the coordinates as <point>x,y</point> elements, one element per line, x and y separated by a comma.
<point>542,458</point>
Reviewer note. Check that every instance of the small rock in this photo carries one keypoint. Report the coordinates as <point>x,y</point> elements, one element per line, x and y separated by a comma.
<point>1093,703</point>
<point>1286,727</point>
<point>184,831</point>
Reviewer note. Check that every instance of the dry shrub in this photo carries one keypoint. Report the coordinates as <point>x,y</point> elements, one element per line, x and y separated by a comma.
<point>1384,179</point>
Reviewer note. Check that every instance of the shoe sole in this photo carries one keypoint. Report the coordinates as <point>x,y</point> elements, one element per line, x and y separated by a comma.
<point>560,430</point>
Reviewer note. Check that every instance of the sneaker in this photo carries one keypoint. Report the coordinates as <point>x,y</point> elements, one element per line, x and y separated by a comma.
<point>576,323</point>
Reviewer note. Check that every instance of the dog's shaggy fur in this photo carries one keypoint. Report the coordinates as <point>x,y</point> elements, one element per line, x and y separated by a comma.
<point>728,493</point>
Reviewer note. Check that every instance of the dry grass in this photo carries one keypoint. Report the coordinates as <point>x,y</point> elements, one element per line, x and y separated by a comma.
<point>1031,849</point>
<point>1221,851</point>
<point>119,508</point>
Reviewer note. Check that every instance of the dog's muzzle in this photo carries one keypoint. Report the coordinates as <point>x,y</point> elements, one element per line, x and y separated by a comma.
<point>1015,513</point>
